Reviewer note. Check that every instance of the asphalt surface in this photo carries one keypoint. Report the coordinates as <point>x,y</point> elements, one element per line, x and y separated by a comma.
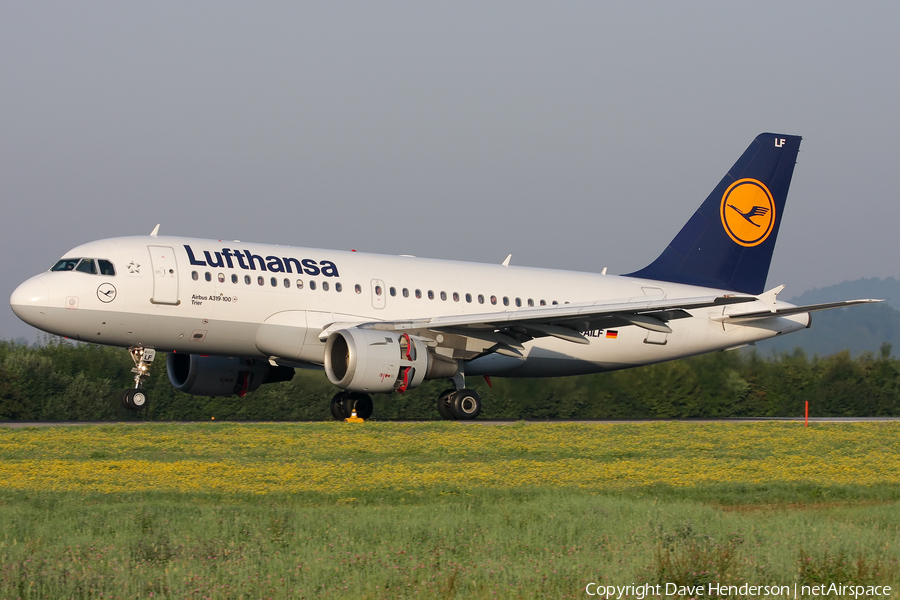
<point>21,424</point>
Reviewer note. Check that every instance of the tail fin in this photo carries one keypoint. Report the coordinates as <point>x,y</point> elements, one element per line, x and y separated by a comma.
<point>728,243</point>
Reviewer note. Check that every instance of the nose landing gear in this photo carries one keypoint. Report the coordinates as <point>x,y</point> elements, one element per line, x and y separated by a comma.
<point>136,398</point>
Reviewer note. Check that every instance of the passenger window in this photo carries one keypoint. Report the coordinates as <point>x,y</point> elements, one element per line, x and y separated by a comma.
<point>444,296</point>
<point>377,290</point>
<point>194,275</point>
<point>247,279</point>
<point>518,302</point>
<point>543,302</point>
<point>419,294</point>
<point>430,294</point>
<point>312,285</point>
<point>66,264</point>
<point>405,293</point>
<point>261,280</point>
<point>393,291</point>
<point>338,287</point>
<point>234,278</point>
<point>505,301</point>
<point>555,303</point>
<point>480,298</point>
<point>87,266</point>
<point>324,286</point>
<point>456,296</point>
<point>207,276</point>
<point>358,288</point>
<point>493,299</point>
<point>106,267</point>
<point>299,284</point>
<point>274,282</point>
<point>221,277</point>
<point>469,298</point>
<point>287,282</point>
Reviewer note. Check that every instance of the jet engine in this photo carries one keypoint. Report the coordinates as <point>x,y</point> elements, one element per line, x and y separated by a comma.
<point>368,360</point>
<point>220,375</point>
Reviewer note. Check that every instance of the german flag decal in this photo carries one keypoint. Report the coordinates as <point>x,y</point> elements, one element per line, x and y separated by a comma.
<point>612,334</point>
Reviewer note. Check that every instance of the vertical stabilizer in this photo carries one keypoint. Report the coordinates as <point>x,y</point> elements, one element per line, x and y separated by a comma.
<point>729,241</point>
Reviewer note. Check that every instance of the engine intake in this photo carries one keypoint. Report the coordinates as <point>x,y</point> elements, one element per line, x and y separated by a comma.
<point>220,375</point>
<point>368,360</point>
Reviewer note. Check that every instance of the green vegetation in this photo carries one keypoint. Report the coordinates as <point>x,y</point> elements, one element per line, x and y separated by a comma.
<point>61,381</point>
<point>398,510</point>
<point>482,545</point>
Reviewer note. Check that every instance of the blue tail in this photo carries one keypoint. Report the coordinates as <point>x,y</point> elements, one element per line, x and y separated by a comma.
<point>728,243</point>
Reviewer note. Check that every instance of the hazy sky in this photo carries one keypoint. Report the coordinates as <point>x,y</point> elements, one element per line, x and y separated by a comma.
<point>575,135</point>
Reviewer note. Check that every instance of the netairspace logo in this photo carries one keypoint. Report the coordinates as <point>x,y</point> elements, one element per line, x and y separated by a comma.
<point>716,590</point>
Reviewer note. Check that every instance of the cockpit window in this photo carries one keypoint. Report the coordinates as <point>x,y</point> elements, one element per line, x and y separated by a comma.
<point>65,264</point>
<point>106,267</point>
<point>87,265</point>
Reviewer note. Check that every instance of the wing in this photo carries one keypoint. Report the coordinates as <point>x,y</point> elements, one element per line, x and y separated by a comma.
<point>468,336</point>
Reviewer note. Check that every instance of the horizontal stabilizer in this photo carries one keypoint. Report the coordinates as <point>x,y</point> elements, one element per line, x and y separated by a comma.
<point>792,310</point>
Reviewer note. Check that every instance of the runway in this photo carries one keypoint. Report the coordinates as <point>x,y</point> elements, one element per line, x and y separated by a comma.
<point>799,420</point>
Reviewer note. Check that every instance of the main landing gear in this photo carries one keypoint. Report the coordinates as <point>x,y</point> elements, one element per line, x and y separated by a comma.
<point>461,404</point>
<point>344,403</point>
<point>458,403</point>
<point>136,398</point>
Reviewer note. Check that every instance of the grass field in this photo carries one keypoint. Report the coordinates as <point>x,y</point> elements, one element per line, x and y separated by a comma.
<point>444,510</point>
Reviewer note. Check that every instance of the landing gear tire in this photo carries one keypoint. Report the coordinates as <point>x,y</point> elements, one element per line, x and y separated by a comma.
<point>444,405</point>
<point>343,404</point>
<point>465,404</point>
<point>361,402</point>
<point>134,399</point>
<point>337,406</point>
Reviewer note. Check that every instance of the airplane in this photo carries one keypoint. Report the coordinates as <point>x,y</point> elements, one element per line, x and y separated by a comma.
<point>232,316</point>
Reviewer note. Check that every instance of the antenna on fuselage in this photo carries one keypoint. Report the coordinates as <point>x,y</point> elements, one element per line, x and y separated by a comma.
<point>505,263</point>
<point>155,231</point>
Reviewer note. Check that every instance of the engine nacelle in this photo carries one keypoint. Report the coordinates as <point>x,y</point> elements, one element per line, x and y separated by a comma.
<point>220,375</point>
<point>368,360</point>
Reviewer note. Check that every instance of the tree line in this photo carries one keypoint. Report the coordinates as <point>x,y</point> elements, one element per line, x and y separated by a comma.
<point>59,380</point>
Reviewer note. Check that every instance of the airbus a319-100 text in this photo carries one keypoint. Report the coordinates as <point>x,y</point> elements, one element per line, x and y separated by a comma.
<point>232,316</point>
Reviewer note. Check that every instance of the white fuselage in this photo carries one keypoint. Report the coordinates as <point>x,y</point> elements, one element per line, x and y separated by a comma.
<point>211,302</point>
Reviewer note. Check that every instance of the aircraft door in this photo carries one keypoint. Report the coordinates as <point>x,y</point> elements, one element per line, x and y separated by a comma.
<point>165,275</point>
<point>378,293</point>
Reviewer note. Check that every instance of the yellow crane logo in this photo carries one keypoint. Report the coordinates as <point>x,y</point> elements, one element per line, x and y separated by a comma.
<point>748,212</point>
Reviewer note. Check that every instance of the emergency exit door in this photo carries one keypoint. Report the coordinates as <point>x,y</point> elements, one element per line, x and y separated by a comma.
<point>377,293</point>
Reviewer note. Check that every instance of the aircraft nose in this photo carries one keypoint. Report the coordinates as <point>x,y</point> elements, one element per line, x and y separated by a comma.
<point>30,301</point>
